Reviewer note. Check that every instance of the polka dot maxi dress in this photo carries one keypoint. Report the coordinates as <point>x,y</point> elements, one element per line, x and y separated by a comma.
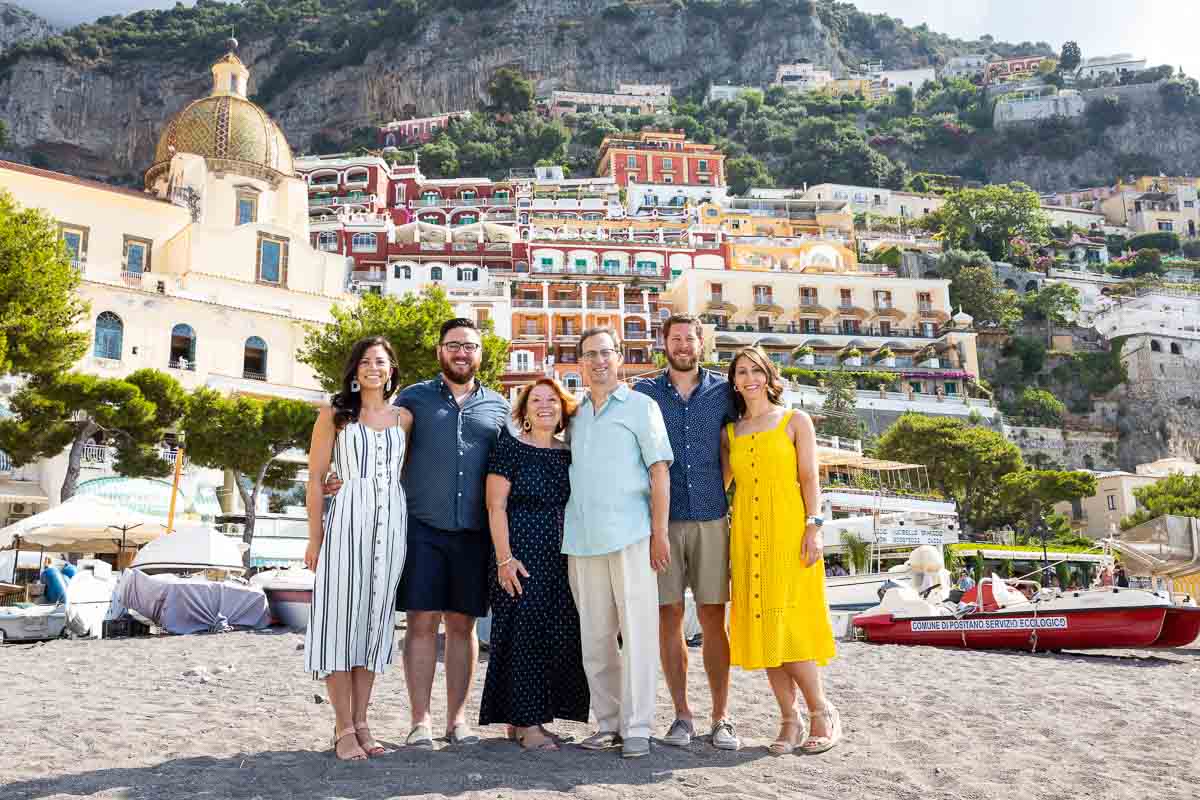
<point>352,623</point>
<point>535,663</point>
<point>778,612</point>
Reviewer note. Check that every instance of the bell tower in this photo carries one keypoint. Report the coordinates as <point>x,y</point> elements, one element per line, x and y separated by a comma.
<point>230,75</point>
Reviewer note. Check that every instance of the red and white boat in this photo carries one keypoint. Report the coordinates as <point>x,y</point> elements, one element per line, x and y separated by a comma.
<point>997,616</point>
<point>289,594</point>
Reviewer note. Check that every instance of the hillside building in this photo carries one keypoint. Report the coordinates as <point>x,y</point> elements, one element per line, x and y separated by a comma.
<point>405,132</point>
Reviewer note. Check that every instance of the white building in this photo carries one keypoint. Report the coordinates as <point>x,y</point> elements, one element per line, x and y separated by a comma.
<point>967,66</point>
<point>876,200</point>
<point>718,92</point>
<point>802,75</point>
<point>893,79</point>
<point>1110,65</point>
<point>645,89</point>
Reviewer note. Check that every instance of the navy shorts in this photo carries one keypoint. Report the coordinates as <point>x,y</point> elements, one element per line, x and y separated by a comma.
<point>445,570</point>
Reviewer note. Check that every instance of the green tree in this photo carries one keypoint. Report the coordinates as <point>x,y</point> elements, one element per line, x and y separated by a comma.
<point>989,218</point>
<point>964,462</point>
<point>70,410</point>
<point>1040,408</point>
<point>1176,494</point>
<point>39,310</point>
<point>1029,495</point>
<point>745,172</point>
<point>510,91</point>
<point>439,158</point>
<point>248,436</point>
<point>411,323</point>
<point>838,415</point>
<point>1056,303</point>
<point>902,100</point>
<point>976,291</point>
<point>1070,57</point>
<point>3,135</point>
<point>1145,262</point>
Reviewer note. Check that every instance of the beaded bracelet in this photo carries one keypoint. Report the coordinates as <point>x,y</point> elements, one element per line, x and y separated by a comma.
<point>504,562</point>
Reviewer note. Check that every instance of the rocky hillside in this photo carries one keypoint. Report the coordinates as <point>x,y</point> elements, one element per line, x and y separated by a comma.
<point>93,99</point>
<point>18,25</point>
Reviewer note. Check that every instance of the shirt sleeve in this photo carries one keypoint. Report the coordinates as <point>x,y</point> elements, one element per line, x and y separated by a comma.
<point>502,460</point>
<point>652,436</point>
<point>406,398</point>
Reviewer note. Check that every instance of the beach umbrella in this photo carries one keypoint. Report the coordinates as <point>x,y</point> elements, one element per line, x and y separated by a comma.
<point>84,524</point>
<point>198,548</point>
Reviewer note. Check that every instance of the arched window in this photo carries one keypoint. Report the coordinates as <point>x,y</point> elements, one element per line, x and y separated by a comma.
<point>183,347</point>
<point>468,274</point>
<point>1155,347</point>
<point>435,274</point>
<point>364,243</point>
<point>389,140</point>
<point>467,194</point>
<point>254,359</point>
<point>327,241</point>
<point>110,332</point>
<point>1175,349</point>
<point>402,272</point>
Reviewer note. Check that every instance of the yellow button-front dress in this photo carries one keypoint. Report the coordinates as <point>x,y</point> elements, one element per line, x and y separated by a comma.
<point>778,612</point>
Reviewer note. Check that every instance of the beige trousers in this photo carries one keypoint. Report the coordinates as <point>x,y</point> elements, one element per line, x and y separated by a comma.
<point>618,593</point>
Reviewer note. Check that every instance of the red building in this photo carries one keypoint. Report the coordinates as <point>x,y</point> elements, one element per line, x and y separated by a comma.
<point>660,157</point>
<point>416,131</point>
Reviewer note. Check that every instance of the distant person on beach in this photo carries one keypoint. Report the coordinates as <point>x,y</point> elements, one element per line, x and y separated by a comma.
<point>1122,578</point>
<point>779,618</point>
<point>695,403</point>
<point>616,539</point>
<point>1106,576</point>
<point>535,665</point>
<point>357,547</point>
<point>456,421</point>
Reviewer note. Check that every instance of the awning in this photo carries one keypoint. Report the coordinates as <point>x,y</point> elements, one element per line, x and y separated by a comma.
<point>21,492</point>
<point>151,496</point>
<point>277,551</point>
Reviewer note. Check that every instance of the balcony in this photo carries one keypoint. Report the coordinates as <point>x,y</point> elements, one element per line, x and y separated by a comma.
<point>717,303</point>
<point>433,247</point>
<point>925,308</point>
<point>527,302</point>
<point>566,303</point>
<point>530,333</point>
<point>370,275</point>
<point>636,308</point>
<point>252,375</point>
<point>132,278</point>
<point>183,364</point>
<point>604,304</point>
<point>636,335</point>
<point>569,335</point>
<point>315,202</point>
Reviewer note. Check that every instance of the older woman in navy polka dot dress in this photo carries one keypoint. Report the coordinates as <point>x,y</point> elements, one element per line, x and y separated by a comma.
<point>535,663</point>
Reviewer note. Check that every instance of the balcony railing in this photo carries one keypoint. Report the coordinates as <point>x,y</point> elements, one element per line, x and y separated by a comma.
<point>566,304</point>
<point>527,302</point>
<point>369,275</point>
<point>253,375</point>
<point>314,202</point>
<point>636,308</point>
<point>434,247</point>
<point>924,307</point>
<point>637,335</point>
<point>603,304</point>
<point>5,462</point>
<point>825,330</point>
<point>131,278</point>
<point>182,363</point>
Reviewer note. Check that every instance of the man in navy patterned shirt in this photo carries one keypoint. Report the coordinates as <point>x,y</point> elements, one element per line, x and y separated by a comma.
<point>695,404</point>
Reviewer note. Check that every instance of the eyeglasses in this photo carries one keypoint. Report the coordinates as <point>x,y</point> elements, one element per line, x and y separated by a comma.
<point>597,355</point>
<point>466,347</point>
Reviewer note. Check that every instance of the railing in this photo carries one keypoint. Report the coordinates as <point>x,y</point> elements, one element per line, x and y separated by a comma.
<point>183,364</point>
<point>447,202</point>
<point>94,454</point>
<point>636,308</point>
<point>924,308</point>
<point>839,443</point>
<point>527,332</point>
<point>132,278</point>
<point>435,247</point>
<point>5,462</point>
<point>637,335</point>
<point>369,275</point>
<point>603,304</point>
<point>566,304</point>
<point>764,300</point>
<point>570,335</point>
<point>252,375</point>
<point>527,302</point>
<point>313,202</point>
<point>829,330</point>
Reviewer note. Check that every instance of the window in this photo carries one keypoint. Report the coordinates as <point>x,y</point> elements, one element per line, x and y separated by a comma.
<point>1155,347</point>
<point>647,267</point>
<point>547,262</point>
<point>1175,349</point>
<point>581,265</point>
<point>136,256</point>
<point>435,274</point>
<point>717,290</point>
<point>809,325</point>
<point>430,198</point>
<point>764,324</point>
<point>885,327</point>
<point>109,334</point>
<point>1112,502</point>
<point>523,361</point>
<point>468,274</point>
<point>467,194</point>
<point>247,207</point>
<point>702,165</point>
<point>500,196</point>
<point>364,243</point>
<point>76,238</point>
<point>847,298</point>
<point>925,301</point>
<point>762,295</point>
<point>631,162</point>
<point>482,315</point>
<point>915,386</point>
<point>703,179</point>
<point>183,348</point>
<point>389,140</point>
<point>272,259</point>
<point>668,179</point>
<point>850,326</point>
<point>254,359</point>
<point>927,330</point>
<point>1165,225</point>
<point>327,241</point>
<point>951,388</point>
<point>668,163</point>
<point>612,266</point>
<point>402,272</point>
<point>357,177</point>
<point>883,300</point>
<point>808,296</point>
<point>724,355</point>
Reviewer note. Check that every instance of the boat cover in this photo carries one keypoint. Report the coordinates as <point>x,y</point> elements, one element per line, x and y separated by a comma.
<point>192,605</point>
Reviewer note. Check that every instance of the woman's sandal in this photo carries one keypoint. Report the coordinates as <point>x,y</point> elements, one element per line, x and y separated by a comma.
<point>785,744</point>
<point>547,744</point>
<point>367,742</point>
<point>342,734</point>
<point>815,745</point>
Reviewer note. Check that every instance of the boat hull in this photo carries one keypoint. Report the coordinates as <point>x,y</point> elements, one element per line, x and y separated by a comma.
<point>1099,628</point>
<point>290,607</point>
<point>1180,628</point>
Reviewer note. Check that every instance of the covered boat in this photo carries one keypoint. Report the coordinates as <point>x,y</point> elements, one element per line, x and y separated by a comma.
<point>289,592</point>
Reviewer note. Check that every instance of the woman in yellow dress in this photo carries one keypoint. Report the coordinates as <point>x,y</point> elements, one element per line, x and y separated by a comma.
<point>779,620</point>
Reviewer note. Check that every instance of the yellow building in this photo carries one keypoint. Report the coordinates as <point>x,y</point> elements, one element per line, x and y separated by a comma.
<point>782,295</point>
<point>207,275</point>
<point>774,214</point>
<point>1100,515</point>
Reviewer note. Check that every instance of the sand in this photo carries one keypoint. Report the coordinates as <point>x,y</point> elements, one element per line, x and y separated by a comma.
<point>234,716</point>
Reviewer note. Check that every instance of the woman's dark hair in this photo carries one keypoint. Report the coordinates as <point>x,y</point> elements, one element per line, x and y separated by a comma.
<point>758,358</point>
<point>346,403</point>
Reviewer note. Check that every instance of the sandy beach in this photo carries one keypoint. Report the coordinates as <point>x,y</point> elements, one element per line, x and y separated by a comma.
<point>234,716</point>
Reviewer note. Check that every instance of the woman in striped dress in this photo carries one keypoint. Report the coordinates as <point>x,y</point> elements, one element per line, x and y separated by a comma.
<point>357,546</point>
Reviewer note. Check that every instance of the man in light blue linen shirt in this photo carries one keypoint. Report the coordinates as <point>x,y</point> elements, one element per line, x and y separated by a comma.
<point>615,538</point>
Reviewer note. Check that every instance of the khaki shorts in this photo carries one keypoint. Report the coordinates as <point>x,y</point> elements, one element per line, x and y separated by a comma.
<point>700,559</point>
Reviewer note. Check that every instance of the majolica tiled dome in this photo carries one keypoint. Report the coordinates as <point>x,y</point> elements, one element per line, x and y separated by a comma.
<point>225,126</point>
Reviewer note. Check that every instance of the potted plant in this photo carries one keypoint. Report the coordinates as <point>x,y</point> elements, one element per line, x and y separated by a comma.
<point>852,357</point>
<point>804,354</point>
<point>928,358</point>
<point>885,356</point>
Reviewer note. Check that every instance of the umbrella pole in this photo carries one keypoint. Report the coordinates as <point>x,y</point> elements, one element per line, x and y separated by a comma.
<point>16,557</point>
<point>175,490</point>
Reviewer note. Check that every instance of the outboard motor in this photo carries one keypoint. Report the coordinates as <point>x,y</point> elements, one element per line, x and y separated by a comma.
<point>883,589</point>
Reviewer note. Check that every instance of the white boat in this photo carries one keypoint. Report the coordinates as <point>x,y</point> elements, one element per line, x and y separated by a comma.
<point>289,593</point>
<point>858,592</point>
<point>32,623</point>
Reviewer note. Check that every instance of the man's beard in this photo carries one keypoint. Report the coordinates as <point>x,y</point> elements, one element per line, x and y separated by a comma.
<point>679,362</point>
<point>455,372</point>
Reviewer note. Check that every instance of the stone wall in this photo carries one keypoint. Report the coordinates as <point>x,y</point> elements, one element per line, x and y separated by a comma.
<point>1159,412</point>
<point>1066,449</point>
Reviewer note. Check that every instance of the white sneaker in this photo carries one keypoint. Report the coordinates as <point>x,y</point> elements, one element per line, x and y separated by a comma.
<point>680,733</point>
<point>723,737</point>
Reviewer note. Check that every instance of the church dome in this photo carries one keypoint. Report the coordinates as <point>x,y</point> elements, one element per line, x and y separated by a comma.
<point>226,127</point>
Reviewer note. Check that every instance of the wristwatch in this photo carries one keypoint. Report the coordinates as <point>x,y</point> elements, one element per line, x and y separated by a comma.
<point>818,521</point>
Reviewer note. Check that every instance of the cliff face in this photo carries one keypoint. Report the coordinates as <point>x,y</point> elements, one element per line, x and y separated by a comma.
<point>103,118</point>
<point>19,25</point>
